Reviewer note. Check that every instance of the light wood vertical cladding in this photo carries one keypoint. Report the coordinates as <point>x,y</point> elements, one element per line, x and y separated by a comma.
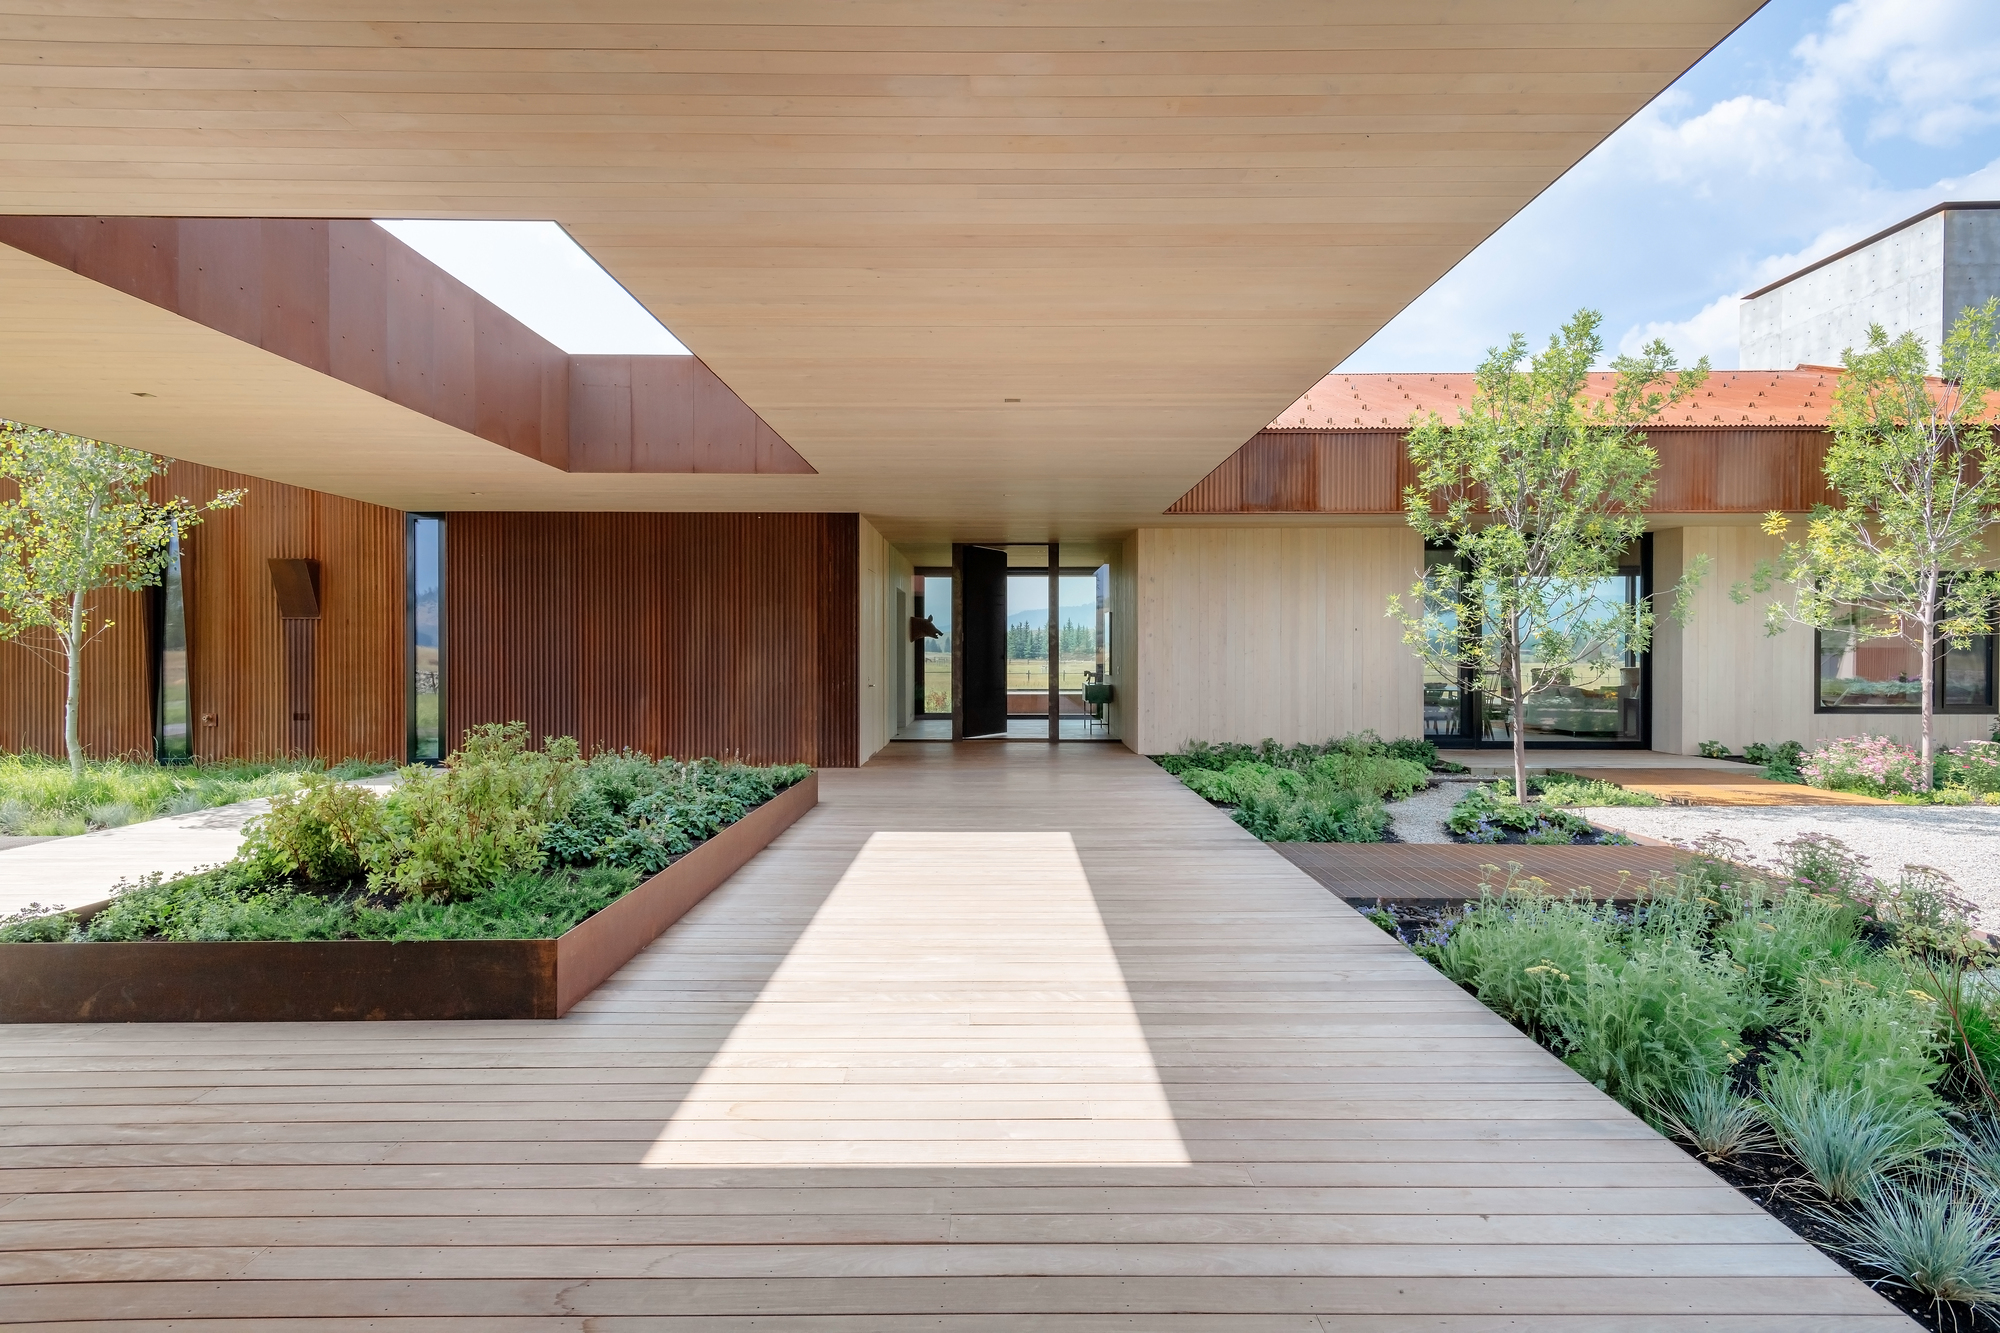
<point>884,643</point>
<point>1246,633</point>
<point>666,414</point>
<point>1366,472</point>
<point>1721,677</point>
<point>686,634</point>
<point>236,642</point>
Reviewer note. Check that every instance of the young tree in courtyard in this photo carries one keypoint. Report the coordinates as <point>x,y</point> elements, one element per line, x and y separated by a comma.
<point>1538,488</point>
<point>1912,462</point>
<point>82,521</point>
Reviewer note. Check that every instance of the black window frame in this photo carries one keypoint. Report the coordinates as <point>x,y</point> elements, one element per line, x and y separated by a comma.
<point>1939,707</point>
<point>1472,703</point>
<point>410,755</point>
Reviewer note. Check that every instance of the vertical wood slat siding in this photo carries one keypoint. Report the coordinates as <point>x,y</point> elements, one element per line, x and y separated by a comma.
<point>236,642</point>
<point>1702,471</point>
<point>686,634</point>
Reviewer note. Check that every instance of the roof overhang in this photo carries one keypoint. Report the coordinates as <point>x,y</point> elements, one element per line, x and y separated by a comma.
<point>1009,273</point>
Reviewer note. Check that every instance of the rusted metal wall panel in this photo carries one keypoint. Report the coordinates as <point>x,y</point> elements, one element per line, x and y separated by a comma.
<point>686,634</point>
<point>1702,471</point>
<point>236,641</point>
<point>666,414</point>
<point>346,298</point>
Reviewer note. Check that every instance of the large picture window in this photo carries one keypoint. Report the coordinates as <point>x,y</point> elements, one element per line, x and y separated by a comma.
<point>173,708</point>
<point>426,638</point>
<point>1600,701</point>
<point>1862,668</point>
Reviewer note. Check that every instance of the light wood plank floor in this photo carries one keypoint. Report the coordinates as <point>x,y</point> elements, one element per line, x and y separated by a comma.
<point>998,1038</point>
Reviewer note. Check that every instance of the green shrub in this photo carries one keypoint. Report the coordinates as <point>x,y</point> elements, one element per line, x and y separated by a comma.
<point>450,832</point>
<point>1213,756</point>
<point>1780,763</point>
<point>321,833</point>
<point>1933,1233</point>
<point>1563,789</point>
<point>1712,750</point>
<point>221,905</point>
<point>1523,955</point>
<point>1315,805</point>
<point>1867,1030</point>
<point>1639,1025</point>
<point>1384,777</point>
<point>1780,936</point>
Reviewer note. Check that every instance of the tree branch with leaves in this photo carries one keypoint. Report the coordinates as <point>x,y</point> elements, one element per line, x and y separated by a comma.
<point>82,521</point>
<point>1903,555</point>
<point>1538,489</point>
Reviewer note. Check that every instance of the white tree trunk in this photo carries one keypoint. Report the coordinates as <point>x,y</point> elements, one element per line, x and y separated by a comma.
<point>1929,668</point>
<point>73,683</point>
<point>1519,706</point>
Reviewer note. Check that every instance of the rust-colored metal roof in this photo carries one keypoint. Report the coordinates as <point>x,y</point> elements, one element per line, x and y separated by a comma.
<point>1730,398</point>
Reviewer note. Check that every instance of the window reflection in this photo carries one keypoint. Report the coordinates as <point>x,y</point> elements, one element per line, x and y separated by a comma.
<point>1866,661</point>
<point>173,739</point>
<point>426,657</point>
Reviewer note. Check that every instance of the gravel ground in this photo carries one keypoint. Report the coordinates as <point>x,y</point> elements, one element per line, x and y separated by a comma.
<point>1421,818</point>
<point>1961,841</point>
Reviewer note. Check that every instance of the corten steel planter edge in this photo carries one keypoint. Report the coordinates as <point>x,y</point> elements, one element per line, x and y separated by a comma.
<point>593,949</point>
<point>332,980</point>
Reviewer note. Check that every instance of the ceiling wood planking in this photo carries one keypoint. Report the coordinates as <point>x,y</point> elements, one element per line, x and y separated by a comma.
<point>1152,224</point>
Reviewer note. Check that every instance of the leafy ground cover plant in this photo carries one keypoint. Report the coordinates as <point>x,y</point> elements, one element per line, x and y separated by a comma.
<point>1567,789</point>
<point>505,841</point>
<point>1712,750</point>
<point>40,798</point>
<point>1331,792</point>
<point>1490,814</point>
<point>1777,763</point>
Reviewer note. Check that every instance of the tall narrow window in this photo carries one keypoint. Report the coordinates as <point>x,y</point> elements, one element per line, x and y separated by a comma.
<point>173,737</point>
<point>426,621</point>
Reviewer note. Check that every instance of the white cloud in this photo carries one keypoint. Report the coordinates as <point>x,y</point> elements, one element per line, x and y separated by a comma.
<point>1930,67</point>
<point>1709,332</point>
<point>1792,150</point>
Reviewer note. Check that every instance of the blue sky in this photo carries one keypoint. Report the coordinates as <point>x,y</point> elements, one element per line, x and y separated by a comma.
<point>1813,126</point>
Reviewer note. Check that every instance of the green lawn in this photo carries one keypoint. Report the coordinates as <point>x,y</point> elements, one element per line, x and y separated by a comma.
<point>39,798</point>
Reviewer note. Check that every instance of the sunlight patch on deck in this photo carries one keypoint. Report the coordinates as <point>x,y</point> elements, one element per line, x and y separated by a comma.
<point>962,993</point>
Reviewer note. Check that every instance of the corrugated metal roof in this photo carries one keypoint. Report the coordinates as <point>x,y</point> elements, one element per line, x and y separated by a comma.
<point>1799,397</point>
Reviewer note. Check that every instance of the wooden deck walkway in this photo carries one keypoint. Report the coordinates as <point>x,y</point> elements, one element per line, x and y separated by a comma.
<point>1000,1038</point>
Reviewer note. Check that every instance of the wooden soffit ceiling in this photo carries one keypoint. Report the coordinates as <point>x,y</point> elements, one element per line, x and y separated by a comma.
<point>882,224</point>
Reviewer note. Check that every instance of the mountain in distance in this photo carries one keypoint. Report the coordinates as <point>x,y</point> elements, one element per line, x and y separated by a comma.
<point>1085,615</point>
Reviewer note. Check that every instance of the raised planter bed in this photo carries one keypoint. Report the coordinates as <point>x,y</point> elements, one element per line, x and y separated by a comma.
<point>319,980</point>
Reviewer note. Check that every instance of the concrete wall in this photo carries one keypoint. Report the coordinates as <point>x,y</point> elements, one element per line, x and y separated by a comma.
<point>1917,279</point>
<point>1245,633</point>
<point>1722,678</point>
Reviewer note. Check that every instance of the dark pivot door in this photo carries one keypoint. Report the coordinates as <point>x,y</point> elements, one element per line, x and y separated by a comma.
<point>979,642</point>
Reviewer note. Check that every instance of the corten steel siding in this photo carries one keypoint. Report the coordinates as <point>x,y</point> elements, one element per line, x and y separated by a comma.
<point>686,634</point>
<point>236,642</point>
<point>344,297</point>
<point>1702,471</point>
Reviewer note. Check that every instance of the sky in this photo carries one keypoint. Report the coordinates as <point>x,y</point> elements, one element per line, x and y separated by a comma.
<point>1811,127</point>
<point>537,274</point>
